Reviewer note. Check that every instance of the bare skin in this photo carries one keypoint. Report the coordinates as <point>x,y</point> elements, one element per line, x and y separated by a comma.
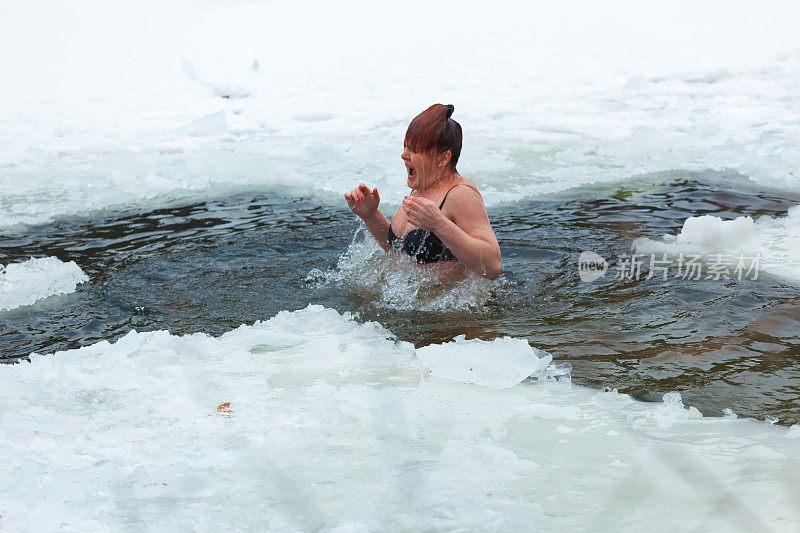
<point>462,224</point>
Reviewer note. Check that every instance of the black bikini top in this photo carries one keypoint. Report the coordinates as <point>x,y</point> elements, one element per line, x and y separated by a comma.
<point>423,245</point>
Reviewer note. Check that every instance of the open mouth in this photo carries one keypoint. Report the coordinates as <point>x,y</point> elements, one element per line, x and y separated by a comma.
<point>411,171</point>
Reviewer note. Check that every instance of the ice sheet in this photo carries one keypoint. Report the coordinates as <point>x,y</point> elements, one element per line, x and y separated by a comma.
<point>109,107</point>
<point>769,244</point>
<point>333,423</point>
<point>36,279</point>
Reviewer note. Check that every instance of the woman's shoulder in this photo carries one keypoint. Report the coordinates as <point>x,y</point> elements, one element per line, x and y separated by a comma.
<point>469,188</point>
<point>463,197</point>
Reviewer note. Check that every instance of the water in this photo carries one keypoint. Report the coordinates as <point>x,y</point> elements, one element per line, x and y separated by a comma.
<point>311,419</point>
<point>211,266</point>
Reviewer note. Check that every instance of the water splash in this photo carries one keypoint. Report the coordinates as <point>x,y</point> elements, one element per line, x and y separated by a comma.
<point>395,281</point>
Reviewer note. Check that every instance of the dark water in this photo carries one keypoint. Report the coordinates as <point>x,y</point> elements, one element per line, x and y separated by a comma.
<point>212,266</point>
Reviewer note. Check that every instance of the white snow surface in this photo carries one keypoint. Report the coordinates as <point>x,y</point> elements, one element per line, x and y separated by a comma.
<point>333,424</point>
<point>140,104</point>
<point>27,282</point>
<point>769,244</point>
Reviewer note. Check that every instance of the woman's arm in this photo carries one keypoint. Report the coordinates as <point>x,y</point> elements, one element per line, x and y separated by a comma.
<point>364,203</point>
<point>480,255</point>
<point>378,226</point>
<point>469,236</point>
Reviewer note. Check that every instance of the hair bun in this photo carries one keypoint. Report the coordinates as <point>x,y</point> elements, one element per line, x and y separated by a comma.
<point>450,109</point>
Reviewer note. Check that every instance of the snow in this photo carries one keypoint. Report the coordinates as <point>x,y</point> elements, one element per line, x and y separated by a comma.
<point>27,282</point>
<point>108,106</point>
<point>333,423</point>
<point>770,244</point>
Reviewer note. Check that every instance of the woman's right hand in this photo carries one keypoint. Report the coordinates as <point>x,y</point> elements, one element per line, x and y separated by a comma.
<point>362,201</point>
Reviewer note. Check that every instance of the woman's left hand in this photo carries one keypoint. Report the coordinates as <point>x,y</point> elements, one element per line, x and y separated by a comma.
<point>423,213</point>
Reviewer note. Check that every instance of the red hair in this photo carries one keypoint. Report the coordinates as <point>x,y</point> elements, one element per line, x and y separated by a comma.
<point>434,131</point>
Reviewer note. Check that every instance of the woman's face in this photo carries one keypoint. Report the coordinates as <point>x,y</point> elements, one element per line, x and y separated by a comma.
<point>421,168</point>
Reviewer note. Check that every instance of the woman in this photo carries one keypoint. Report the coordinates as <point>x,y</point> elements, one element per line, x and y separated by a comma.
<point>443,219</point>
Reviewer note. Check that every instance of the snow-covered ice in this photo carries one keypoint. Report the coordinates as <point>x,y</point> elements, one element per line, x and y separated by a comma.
<point>498,364</point>
<point>333,423</point>
<point>106,106</point>
<point>769,244</point>
<point>37,278</point>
